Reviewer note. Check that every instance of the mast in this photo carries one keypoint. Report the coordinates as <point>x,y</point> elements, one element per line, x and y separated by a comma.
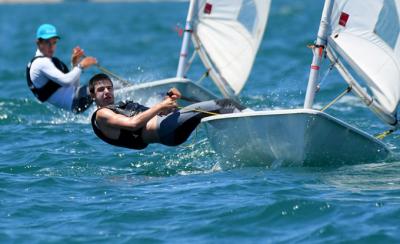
<point>318,50</point>
<point>186,40</point>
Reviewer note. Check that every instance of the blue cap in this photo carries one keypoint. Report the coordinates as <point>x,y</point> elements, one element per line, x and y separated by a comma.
<point>46,31</point>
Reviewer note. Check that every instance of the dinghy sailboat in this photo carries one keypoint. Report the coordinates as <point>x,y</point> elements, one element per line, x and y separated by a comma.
<point>226,35</point>
<point>361,39</point>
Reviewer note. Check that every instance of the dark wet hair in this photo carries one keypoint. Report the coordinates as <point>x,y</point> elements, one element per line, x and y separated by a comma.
<point>96,78</point>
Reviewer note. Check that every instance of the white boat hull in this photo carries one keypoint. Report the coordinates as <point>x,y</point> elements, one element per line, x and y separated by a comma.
<point>150,93</point>
<point>300,137</point>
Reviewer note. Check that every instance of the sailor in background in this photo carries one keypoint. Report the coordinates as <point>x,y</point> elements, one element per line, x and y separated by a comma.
<point>134,126</point>
<point>51,81</point>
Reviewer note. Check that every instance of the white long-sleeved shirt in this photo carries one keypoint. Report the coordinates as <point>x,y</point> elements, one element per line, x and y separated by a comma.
<point>43,69</point>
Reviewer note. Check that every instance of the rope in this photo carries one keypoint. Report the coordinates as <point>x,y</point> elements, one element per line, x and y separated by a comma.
<point>200,111</point>
<point>348,89</point>
<point>108,72</point>
<point>384,134</point>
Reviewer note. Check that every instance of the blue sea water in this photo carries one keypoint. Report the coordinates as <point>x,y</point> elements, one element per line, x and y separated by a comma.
<point>59,183</point>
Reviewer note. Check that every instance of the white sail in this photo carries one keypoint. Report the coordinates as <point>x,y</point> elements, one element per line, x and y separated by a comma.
<point>365,33</point>
<point>228,34</point>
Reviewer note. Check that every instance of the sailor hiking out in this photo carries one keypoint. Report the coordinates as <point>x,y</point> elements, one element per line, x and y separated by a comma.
<point>132,125</point>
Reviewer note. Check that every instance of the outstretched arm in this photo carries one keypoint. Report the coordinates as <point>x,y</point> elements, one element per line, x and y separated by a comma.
<point>72,77</point>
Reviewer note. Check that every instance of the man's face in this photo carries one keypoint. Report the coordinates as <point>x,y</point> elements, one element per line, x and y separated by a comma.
<point>48,46</point>
<point>104,93</point>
